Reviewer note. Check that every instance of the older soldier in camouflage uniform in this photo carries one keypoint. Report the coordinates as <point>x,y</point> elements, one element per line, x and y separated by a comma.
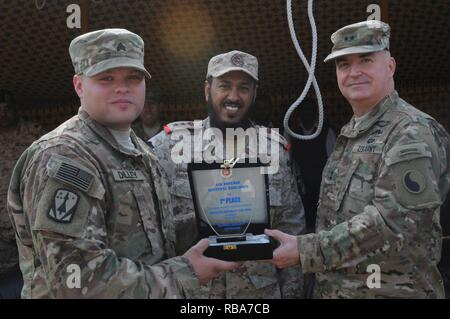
<point>92,215</point>
<point>382,186</point>
<point>16,135</point>
<point>230,90</point>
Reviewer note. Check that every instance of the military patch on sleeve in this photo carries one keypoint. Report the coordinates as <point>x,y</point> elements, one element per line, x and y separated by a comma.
<point>63,206</point>
<point>74,175</point>
<point>70,172</point>
<point>414,181</point>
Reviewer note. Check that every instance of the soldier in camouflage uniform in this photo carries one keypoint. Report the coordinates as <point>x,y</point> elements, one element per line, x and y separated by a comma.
<point>16,135</point>
<point>230,90</point>
<point>381,188</point>
<point>91,212</point>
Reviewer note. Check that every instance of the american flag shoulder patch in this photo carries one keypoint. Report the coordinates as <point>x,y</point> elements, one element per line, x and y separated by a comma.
<point>63,170</point>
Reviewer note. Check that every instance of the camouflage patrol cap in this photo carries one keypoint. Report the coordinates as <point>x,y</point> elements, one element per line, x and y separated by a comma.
<point>362,37</point>
<point>233,61</point>
<point>98,51</point>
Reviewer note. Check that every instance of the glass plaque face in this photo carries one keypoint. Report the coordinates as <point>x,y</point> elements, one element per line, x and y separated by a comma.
<point>230,202</point>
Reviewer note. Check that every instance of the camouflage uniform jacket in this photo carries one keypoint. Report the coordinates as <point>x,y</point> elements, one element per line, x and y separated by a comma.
<point>79,200</point>
<point>14,142</point>
<point>379,204</point>
<point>255,279</point>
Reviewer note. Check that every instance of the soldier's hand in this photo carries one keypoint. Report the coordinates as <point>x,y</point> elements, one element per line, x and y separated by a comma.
<point>206,268</point>
<point>286,254</point>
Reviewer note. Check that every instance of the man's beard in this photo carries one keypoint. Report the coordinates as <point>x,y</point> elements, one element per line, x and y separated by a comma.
<point>215,120</point>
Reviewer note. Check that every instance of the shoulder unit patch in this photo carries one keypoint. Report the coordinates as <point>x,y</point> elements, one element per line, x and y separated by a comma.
<point>63,206</point>
<point>414,181</point>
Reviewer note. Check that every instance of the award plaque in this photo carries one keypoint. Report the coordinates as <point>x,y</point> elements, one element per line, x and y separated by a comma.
<point>231,202</point>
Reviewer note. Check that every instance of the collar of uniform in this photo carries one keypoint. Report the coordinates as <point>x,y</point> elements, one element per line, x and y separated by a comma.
<point>349,131</point>
<point>138,127</point>
<point>138,150</point>
<point>106,135</point>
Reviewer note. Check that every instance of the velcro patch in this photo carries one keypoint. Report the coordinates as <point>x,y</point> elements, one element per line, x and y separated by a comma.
<point>407,152</point>
<point>128,175</point>
<point>368,148</point>
<point>64,170</point>
<point>63,206</point>
<point>74,175</point>
<point>414,181</point>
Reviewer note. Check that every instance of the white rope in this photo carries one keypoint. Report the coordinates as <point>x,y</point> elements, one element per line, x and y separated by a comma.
<point>310,69</point>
